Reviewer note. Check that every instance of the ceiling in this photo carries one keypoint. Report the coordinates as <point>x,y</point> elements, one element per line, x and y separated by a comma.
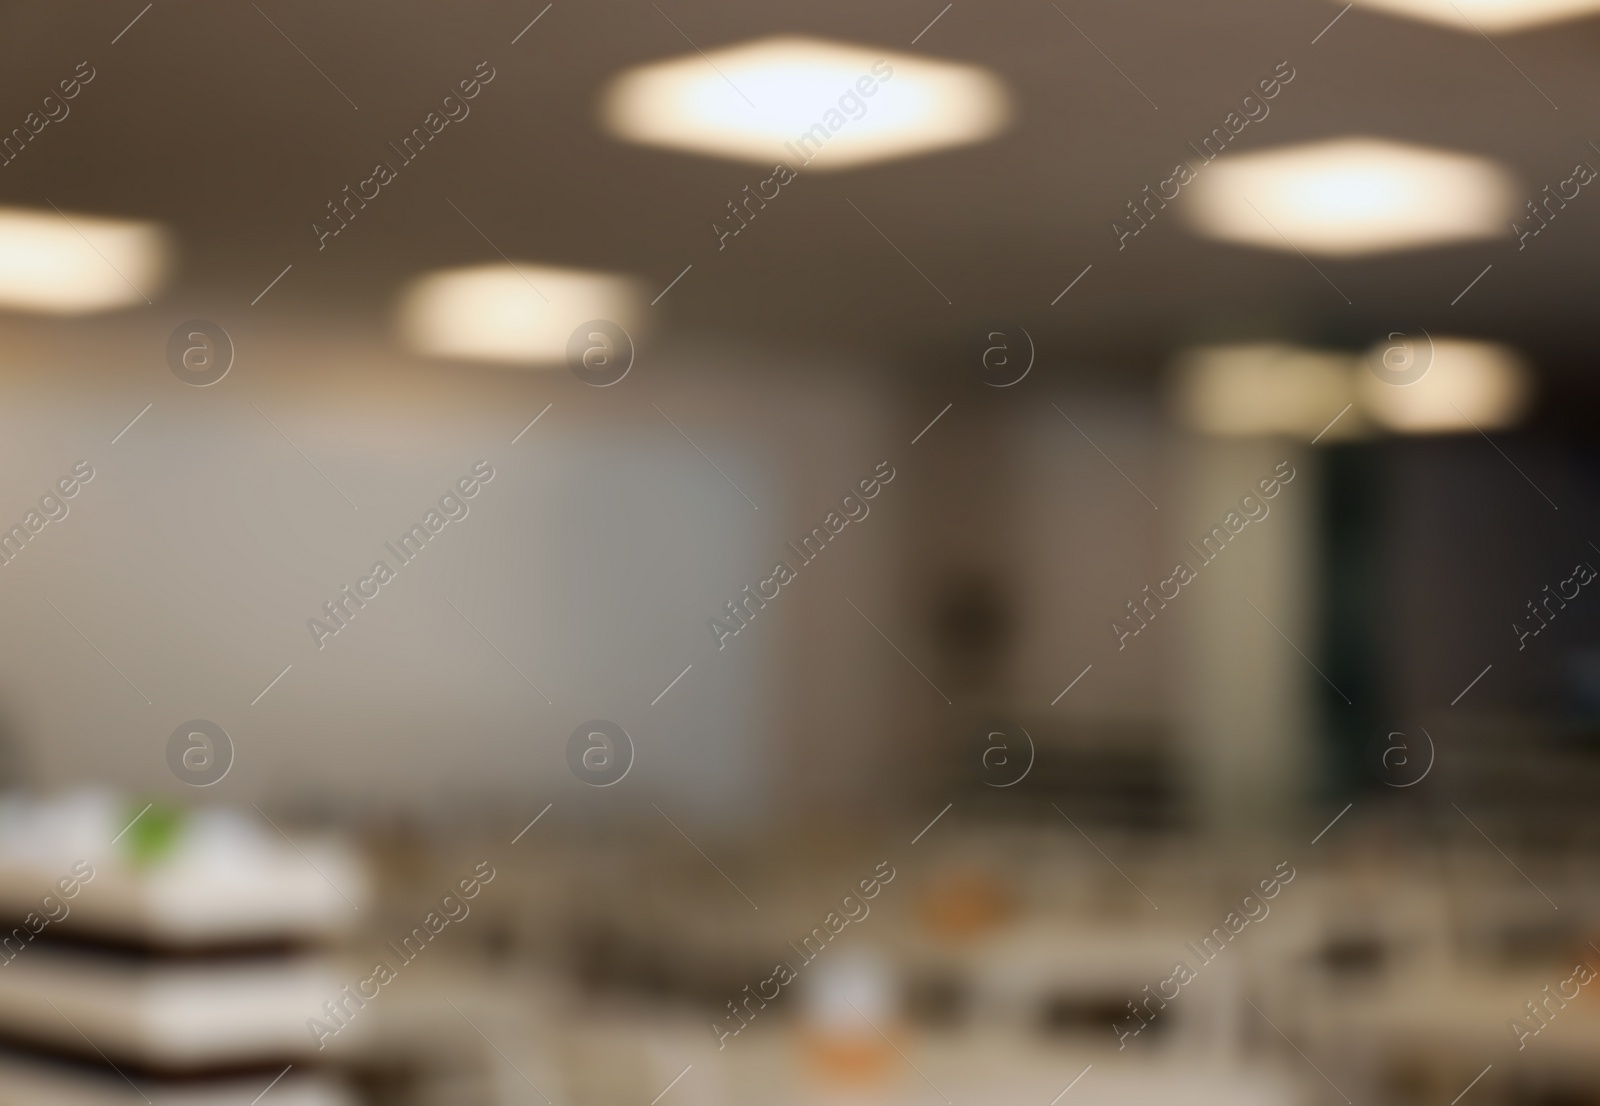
<point>206,116</point>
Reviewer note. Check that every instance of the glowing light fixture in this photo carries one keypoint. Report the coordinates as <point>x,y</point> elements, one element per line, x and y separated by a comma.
<point>805,102</point>
<point>71,264</point>
<point>1464,386</point>
<point>1351,196</point>
<point>1489,15</point>
<point>519,313</point>
<point>1263,389</point>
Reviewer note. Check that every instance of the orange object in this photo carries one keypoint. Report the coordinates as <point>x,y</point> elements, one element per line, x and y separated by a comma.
<point>847,1057</point>
<point>964,904</point>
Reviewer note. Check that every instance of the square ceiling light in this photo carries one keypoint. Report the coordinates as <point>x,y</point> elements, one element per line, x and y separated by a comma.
<point>71,264</point>
<point>1412,384</point>
<point>1262,389</point>
<point>1351,196</point>
<point>1463,386</point>
<point>517,313</point>
<point>805,102</point>
<point>1487,15</point>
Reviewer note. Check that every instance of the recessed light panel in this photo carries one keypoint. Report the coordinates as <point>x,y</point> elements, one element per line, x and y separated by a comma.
<point>516,313</point>
<point>70,264</point>
<point>805,102</point>
<point>1465,386</point>
<point>1263,389</point>
<point>1487,15</point>
<point>1352,196</point>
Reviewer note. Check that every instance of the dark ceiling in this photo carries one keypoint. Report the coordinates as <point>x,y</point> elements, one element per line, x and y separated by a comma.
<point>203,115</point>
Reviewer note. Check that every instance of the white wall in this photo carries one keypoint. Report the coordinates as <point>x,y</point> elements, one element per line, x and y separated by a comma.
<point>592,561</point>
